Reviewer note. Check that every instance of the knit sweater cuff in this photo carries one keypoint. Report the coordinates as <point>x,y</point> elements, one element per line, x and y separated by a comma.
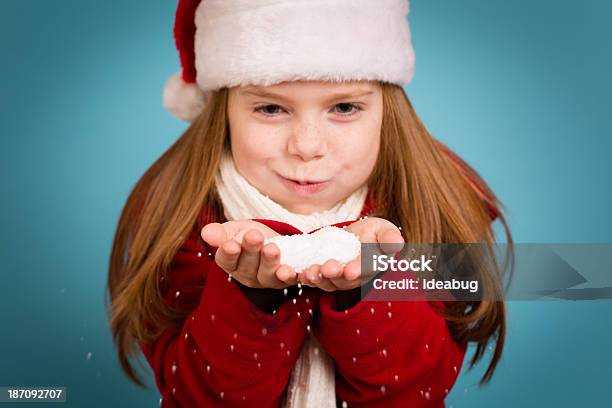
<point>239,331</point>
<point>363,325</point>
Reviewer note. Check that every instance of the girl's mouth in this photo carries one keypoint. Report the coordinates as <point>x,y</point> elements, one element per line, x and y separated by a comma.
<point>304,187</point>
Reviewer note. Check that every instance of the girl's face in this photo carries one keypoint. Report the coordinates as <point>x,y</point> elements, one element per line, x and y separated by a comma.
<point>306,144</point>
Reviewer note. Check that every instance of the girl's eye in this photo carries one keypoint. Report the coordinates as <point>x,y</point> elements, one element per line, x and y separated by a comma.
<point>268,110</point>
<point>344,109</point>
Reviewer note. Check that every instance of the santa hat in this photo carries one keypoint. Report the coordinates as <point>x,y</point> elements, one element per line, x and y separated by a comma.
<point>226,43</point>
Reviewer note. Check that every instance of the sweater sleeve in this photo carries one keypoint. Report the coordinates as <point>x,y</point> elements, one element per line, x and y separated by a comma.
<point>397,353</point>
<point>227,351</point>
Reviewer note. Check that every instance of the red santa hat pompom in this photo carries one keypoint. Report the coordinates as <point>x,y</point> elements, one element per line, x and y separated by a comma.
<point>226,43</point>
<point>182,96</point>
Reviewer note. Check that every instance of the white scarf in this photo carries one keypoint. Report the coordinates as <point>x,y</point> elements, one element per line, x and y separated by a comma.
<point>312,382</point>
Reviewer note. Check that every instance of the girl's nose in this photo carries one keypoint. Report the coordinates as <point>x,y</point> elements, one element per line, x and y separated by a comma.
<point>307,141</point>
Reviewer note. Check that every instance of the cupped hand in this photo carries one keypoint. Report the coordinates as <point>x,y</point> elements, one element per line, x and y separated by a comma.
<point>241,254</point>
<point>333,275</point>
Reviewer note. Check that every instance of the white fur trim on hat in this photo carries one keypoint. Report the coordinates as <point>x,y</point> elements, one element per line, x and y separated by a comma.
<point>263,42</point>
<point>182,99</point>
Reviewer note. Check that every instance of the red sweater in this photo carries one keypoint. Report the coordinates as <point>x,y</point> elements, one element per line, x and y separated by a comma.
<point>230,353</point>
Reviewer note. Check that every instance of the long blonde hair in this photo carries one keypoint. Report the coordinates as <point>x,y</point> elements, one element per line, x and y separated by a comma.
<point>437,198</point>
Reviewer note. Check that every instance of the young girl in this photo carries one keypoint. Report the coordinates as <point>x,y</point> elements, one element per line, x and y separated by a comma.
<point>299,121</point>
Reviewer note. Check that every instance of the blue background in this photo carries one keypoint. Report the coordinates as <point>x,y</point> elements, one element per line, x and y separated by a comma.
<point>520,89</point>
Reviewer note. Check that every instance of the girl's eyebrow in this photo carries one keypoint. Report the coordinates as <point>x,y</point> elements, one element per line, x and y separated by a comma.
<point>334,95</point>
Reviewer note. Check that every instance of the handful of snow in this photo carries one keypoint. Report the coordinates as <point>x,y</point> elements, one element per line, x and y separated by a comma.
<point>300,251</point>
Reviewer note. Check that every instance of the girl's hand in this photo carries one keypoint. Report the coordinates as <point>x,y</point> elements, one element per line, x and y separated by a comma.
<point>332,275</point>
<point>241,254</point>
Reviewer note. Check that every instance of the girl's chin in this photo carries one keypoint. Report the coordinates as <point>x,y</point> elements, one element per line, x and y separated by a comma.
<point>303,208</point>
